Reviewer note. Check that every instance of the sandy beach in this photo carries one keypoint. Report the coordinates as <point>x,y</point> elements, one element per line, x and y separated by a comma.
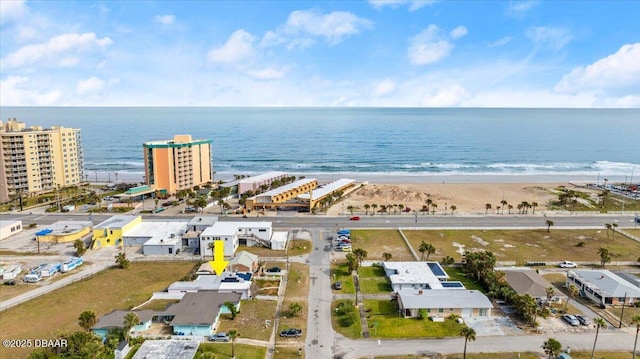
<point>468,198</point>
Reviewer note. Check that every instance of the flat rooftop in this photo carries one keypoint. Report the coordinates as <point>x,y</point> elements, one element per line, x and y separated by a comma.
<point>231,228</point>
<point>167,349</point>
<point>68,227</point>
<point>415,273</point>
<point>455,298</point>
<point>328,188</point>
<point>203,220</point>
<point>117,221</point>
<point>226,281</point>
<point>262,177</point>
<point>158,231</point>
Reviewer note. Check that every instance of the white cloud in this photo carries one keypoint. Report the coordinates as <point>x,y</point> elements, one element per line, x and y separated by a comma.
<point>413,4</point>
<point>449,97</point>
<point>428,47</point>
<point>62,45</point>
<point>164,19</point>
<point>519,8</point>
<point>238,47</point>
<point>550,37</point>
<point>458,32</point>
<point>384,88</point>
<point>500,42</point>
<point>619,71</point>
<point>303,26</point>
<point>90,86</point>
<point>16,92</point>
<point>12,10</point>
<point>267,74</point>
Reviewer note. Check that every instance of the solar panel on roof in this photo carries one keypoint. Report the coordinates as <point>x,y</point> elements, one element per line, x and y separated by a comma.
<point>452,285</point>
<point>230,280</point>
<point>436,269</point>
<point>245,276</point>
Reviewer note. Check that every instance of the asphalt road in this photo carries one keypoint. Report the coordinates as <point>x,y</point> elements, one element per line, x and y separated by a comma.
<point>407,220</point>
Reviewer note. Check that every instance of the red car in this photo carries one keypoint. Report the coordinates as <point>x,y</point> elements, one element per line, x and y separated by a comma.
<point>354,218</point>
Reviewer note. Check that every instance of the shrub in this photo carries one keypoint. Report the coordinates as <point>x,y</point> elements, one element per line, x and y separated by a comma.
<point>422,313</point>
<point>348,320</point>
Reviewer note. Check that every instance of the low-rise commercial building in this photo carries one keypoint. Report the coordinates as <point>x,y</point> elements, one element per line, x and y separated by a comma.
<point>604,287</point>
<point>254,183</point>
<point>9,228</point>
<point>284,196</point>
<point>64,231</point>
<point>312,198</point>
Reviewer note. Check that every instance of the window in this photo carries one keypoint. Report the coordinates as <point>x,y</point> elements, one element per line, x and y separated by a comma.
<point>440,310</point>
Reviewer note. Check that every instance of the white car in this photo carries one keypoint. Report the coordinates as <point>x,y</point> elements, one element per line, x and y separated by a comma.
<point>567,264</point>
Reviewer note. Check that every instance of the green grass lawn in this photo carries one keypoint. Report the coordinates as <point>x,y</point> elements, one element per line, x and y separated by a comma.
<point>106,291</point>
<point>377,242</point>
<point>297,292</point>
<point>353,331</point>
<point>629,312</point>
<point>299,247</point>
<point>250,321</point>
<point>456,274</point>
<point>286,352</point>
<point>391,325</point>
<point>529,245</point>
<point>158,304</point>
<point>373,280</point>
<point>223,350</point>
<point>341,272</point>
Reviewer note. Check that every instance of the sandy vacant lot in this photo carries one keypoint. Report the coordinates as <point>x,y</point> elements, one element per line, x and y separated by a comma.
<point>467,198</point>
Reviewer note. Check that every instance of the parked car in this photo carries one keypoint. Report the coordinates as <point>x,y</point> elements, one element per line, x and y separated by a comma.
<point>346,249</point>
<point>167,204</point>
<point>571,319</point>
<point>190,210</point>
<point>354,218</point>
<point>219,337</point>
<point>583,320</point>
<point>337,285</point>
<point>567,264</point>
<point>273,270</point>
<point>291,333</point>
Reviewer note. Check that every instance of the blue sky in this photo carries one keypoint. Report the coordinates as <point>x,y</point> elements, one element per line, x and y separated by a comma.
<point>390,53</point>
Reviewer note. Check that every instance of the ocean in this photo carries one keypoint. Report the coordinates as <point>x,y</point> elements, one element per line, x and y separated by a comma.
<point>385,144</point>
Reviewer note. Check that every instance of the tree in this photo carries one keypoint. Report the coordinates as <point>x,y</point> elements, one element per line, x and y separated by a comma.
<point>199,203</point>
<point>350,209</point>
<point>469,334</point>
<point>636,320</point>
<point>504,204</point>
<point>430,250</point>
<point>453,208</point>
<point>233,334</point>
<point>366,208</point>
<point>295,309</point>
<point>605,256</point>
<point>573,292</point>
<point>552,348</point>
<point>510,207</point>
<point>352,262</point>
<point>79,246</point>
<point>533,206</point>
<point>429,202</point>
<point>373,208</point>
<point>424,246</point>
<point>433,208</point>
<point>232,309</point>
<point>387,256</point>
<point>550,293</point>
<point>487,207</point>
<point>87,320</point>
<point>130,321</point>
<point>121,260</point>
<point>549,223</point>
<point>212,246</point>
<point>360,255</point>
<point>608,227</point>
<point>599,322</point>
<point>613,230</point>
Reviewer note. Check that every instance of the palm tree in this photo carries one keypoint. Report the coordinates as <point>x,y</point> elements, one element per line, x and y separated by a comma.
<point>510,207</point>
<point>613,230</point>
<point>130,321</point>
<point>121,261</point>
<point>605,257</point>
<point>504,204</point>
<point>430,250</point>
<point>453,208</point>
<point>352,262</point>
<point>233,334</point>
<point>360,255</point>
<point>550,293</point>
<point>232,309</point>
<point>636,321</point>
<point>373,208</point>
<point>552,348</point>
<point>387,256</point>
<point>400,207</point>
<point>573,292</point>
<point>350,209</point>
<point>469,334</point>
<point>424,246</point>
<point>487,207</point>
<point>87,320</point>
<point>608,227</point>
<point>549,223</point>
<point>211,247</point>
<point>429,202</point>
<point>599,322</point>
<point>366,208</point>
<point>79,246</point>
<point>433,208</point>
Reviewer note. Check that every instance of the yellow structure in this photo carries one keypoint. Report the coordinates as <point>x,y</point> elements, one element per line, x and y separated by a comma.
<point>110,232</point>
<point>36,159</point>
<point>278,196</point>
<point>64,231</point>
<point>177,164</point>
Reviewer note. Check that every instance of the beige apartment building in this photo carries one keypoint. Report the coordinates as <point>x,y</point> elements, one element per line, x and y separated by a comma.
<point>177,164</point>
<point>37,159</point>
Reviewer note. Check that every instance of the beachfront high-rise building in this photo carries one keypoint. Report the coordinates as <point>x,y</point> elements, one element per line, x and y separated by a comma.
<point>177,164</point>
<point>37,159</point>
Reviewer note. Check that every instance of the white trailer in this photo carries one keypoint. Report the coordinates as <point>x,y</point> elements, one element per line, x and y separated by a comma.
<point>51,269</point>
<point>12,272</point>
<point>33,277</point>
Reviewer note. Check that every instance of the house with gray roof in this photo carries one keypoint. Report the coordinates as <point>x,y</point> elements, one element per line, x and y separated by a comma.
<point>527,281</point>
<point>115,319</point>
<point>198,313</point>
<point>604,287</point>
<point>444,302</point>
